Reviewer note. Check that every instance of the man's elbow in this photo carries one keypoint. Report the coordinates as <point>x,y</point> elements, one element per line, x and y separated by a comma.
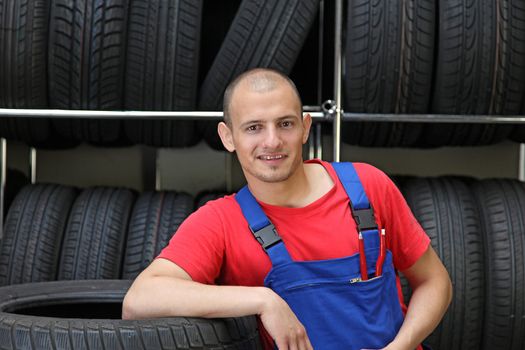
<point>130,307</point>
<point>449,291</point>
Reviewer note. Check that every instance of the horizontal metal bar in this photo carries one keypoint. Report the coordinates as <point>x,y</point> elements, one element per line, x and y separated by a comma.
<point>92,114</point>
<point>318,116</point>
<point>434,118</point>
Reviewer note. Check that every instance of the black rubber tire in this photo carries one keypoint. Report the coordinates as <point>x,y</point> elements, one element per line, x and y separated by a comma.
<point>33,131</point>
<point>502,210</point>
<point>263,34</point>
<point>389,65</point>
<point>93,245</point>
<point>14,182</point>
<point>154,220</point>
<point>480,62</point>
<point>23,67</point>
<point>33,233</point>
<point>518,14</point>
<point>162,69</point>
<point>447,210</point>
<point>205,197</point>
<point>87,47</point>
<point>518,133</point>
<point>53,315</point>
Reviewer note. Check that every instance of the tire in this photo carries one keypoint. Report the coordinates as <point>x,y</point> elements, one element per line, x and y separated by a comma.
<point>502,210</point>
<point>479,66</point>
<point>33,233</point>
<point>87,47</point>
<point>263,34</point>
<point>389,62</point>
<point>446,209</point>
<point>162,69</point>
<point>86,315</point>
<point>518,132</point>
<point>23,60</point>
<point>93,245</point>
<point>155,218</point>
<point>205,197</point>
<point>15,181</point>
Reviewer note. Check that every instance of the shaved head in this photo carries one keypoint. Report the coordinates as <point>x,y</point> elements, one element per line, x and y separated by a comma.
<point>257,80</point>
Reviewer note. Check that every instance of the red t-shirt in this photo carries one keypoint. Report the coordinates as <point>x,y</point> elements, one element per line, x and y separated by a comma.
<point>214,245</point>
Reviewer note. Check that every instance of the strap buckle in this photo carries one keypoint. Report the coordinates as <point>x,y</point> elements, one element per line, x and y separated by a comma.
<point>267,236</point>
<point>364,219</point>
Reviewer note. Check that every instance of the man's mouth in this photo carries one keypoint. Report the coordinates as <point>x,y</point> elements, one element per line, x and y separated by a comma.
<point>272,157</point>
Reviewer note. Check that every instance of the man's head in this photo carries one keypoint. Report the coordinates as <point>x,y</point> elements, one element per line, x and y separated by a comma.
<point>264,124</point>
<point>258,79</point>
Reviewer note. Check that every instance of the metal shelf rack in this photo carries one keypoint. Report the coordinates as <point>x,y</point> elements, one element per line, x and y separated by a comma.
<point>328,111</point>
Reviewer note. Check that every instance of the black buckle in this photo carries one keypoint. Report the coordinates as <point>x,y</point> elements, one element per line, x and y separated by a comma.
<point>364,219</point>
<point>267,236</point>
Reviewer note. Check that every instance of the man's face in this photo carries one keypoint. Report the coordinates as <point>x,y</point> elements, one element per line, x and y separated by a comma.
<point>267,131</point>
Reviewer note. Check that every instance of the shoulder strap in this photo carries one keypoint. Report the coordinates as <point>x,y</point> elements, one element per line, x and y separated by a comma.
<point>261,227</point>
<point>359,204</point>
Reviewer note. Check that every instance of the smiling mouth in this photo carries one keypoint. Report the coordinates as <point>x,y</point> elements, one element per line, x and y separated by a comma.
<point>272,157</point>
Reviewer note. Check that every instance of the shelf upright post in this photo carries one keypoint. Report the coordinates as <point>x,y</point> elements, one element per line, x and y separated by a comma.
<point>338,79</point>
<point>32,165</point>
<point>521,163</point>
<point>320,64</point>
<point>158,181</point>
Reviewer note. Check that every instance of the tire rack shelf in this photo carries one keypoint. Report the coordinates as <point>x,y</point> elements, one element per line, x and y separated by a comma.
<point>329,111</point>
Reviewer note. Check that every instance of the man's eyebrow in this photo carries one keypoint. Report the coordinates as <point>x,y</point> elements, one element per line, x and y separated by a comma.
<point>290,116</point>
<point>260,121</point>
<point>251,122</point>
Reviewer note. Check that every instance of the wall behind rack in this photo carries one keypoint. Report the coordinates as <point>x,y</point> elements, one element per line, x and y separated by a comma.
<point>200,168</point>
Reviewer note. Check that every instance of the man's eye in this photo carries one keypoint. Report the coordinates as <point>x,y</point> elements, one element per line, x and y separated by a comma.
<point>252,128</point>
<point>286,124</point>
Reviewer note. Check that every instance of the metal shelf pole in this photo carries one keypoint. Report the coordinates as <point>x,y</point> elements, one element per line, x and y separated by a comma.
<point>32,165</point>
<point>318,148</point>
<point>338,79</point>
<point>433,118</point>
<point>521,163</point>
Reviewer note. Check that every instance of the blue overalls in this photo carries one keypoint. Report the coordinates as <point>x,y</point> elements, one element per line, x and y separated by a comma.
<point>338,309</point>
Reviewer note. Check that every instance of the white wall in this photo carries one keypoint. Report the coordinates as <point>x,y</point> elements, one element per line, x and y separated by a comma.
<point>200,168</point>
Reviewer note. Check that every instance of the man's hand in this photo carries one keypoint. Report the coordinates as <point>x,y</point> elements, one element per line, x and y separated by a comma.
<point>282,324</point>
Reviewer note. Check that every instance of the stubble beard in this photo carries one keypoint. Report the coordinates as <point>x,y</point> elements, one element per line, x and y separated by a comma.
<point>275,174</point>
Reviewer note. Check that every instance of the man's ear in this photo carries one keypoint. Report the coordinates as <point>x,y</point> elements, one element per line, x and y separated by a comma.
<point>225,134</point>
<point>307,123</point>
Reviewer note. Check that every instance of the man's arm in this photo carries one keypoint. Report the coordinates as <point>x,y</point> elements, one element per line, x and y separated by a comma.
<point>164,289</point>
<point>432,293</point>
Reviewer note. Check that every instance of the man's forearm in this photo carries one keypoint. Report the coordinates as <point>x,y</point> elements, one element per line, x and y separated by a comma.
<point>166,296</point>
<point>426,309</point>
<point>431,297</point>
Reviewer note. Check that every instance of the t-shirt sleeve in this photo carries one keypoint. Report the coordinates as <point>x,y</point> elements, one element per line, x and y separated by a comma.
<point>406,238</point>
<point>198,245</point>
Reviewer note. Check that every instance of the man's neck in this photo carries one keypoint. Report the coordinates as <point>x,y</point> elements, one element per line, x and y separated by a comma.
<point>306,185</point>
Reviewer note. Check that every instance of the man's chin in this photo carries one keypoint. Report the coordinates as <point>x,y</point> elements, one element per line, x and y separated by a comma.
<point>273,177</point>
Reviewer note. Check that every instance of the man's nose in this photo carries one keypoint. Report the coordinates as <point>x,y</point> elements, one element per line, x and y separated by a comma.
<point>272,138</point>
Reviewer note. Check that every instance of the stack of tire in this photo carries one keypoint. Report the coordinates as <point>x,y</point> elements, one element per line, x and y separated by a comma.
<point>85,241</point>
<point>101,55</point>
<point>458,57</point>
<point>477,228</point>
<point>132,55</point>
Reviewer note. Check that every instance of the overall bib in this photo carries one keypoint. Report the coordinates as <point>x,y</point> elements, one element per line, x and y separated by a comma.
<point>337,307</point>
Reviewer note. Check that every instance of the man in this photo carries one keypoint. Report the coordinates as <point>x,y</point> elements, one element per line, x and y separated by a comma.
<point>217,267</point>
